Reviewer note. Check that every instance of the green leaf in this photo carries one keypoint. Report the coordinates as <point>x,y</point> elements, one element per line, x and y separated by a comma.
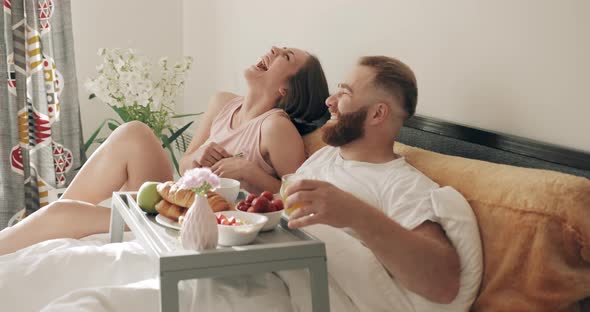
<point>100,140</point>
<point>118,123</point>
<point>93,136</point>
<point>186,115</point>
<point>166,139</point>
<point>175,135</point>
<point>112,126</point>
<point>91,96</point>
<point>174,161</point>
<point>122,112</point>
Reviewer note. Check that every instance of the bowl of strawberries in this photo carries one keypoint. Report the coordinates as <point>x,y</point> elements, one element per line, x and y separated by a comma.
<point>265,204</point>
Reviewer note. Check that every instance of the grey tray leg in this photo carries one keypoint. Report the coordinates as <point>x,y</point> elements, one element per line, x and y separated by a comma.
<point>117,226</point>
<point>320,296</point>
<point>168,294</point>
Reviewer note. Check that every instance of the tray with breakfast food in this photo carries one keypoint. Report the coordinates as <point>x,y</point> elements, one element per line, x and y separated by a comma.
<point>170,203</point>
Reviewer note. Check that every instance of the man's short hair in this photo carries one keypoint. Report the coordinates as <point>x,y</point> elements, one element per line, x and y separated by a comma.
<point>395,78</point>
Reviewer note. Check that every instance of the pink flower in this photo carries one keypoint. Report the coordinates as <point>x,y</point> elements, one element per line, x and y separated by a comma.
<point>199,180</point>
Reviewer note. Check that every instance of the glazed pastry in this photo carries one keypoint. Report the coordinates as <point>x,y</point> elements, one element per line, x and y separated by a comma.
<point>169,210</point>
<point>217,202</point>
<point>184,198</point>
<point>175,195</point>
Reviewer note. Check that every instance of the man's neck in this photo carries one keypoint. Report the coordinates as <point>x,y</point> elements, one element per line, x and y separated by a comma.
<point>376,152</point>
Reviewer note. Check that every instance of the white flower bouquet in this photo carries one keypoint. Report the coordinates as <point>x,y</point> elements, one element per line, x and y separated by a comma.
<point>124,82</point>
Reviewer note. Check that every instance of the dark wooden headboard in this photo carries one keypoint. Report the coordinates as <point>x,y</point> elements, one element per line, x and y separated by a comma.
<point>452,139</point>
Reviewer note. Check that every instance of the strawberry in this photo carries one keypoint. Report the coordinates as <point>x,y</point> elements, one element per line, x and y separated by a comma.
<point>267,194</point>
<point>278,204</point>
<point>250,198</point>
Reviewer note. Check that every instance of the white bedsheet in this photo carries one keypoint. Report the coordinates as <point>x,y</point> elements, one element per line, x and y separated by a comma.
<point>91,275</point>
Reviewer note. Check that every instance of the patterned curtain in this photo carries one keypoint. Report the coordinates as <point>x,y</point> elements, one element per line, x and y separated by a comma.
<point>40,130</point>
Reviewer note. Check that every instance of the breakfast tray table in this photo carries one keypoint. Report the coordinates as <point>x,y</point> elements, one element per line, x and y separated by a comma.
<point>276,250</point>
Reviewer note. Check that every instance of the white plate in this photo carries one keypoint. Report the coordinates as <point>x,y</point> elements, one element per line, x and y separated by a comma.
<point>167,222</point>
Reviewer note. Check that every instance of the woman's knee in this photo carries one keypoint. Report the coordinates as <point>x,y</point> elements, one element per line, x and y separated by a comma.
<point>133,128</point>
<point>134,132</point>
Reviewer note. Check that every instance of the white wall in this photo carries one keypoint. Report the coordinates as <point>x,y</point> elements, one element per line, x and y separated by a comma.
<point>518,67</point>
<point>153,28</point>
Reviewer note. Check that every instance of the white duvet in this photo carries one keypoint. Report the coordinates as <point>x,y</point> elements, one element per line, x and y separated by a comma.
<point>92,275</point>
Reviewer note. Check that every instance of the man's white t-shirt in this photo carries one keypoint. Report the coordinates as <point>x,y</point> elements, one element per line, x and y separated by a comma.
<point>398,189</point>
<point>410,198</point>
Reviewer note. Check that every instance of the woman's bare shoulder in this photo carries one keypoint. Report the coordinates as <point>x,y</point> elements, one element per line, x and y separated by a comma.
<point>281,144</point>
<point>278,128</point>
<point>278,123</point>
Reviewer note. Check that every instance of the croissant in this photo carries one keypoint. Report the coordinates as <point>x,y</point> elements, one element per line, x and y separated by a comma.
<point>169,210</point>
<point>175,195</point>
<point>217,202</point>
<point>185,198</point>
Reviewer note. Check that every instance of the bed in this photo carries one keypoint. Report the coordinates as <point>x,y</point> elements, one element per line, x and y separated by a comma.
<point>536,246</point>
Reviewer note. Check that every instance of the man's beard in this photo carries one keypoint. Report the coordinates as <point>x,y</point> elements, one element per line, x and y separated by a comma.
<point>348,127</point>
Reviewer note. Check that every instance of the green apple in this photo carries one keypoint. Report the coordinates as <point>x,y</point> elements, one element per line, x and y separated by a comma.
<point>148,197</point>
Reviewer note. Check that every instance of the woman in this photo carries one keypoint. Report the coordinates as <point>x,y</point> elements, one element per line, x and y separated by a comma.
<point>248,138</point>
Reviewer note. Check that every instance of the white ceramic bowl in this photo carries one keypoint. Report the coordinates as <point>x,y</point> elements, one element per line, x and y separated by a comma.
<point>234,235</point>
<point>273,219</point>
<point>229,189</point>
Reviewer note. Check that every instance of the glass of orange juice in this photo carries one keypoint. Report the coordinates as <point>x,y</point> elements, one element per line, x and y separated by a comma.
<point>285,181</point>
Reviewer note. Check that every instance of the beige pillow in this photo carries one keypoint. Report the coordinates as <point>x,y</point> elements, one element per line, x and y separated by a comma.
<point>534,225</point>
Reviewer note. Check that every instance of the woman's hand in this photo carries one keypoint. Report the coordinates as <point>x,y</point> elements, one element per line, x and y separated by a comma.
<point>233,167</point>
<point>209,154</point>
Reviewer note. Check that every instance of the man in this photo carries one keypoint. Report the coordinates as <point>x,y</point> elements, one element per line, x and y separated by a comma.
<point>359,183</point>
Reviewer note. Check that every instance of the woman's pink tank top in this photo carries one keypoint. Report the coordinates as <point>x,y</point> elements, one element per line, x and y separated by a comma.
<point>245,139</point>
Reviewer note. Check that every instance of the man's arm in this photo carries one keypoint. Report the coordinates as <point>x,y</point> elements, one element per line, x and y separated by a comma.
<point>422,260</point>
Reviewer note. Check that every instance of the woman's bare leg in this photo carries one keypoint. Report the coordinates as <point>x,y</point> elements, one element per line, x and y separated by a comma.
<point>130,156</point>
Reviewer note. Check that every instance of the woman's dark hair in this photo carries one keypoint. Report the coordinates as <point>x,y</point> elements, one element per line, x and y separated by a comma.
<point>307,92</point>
